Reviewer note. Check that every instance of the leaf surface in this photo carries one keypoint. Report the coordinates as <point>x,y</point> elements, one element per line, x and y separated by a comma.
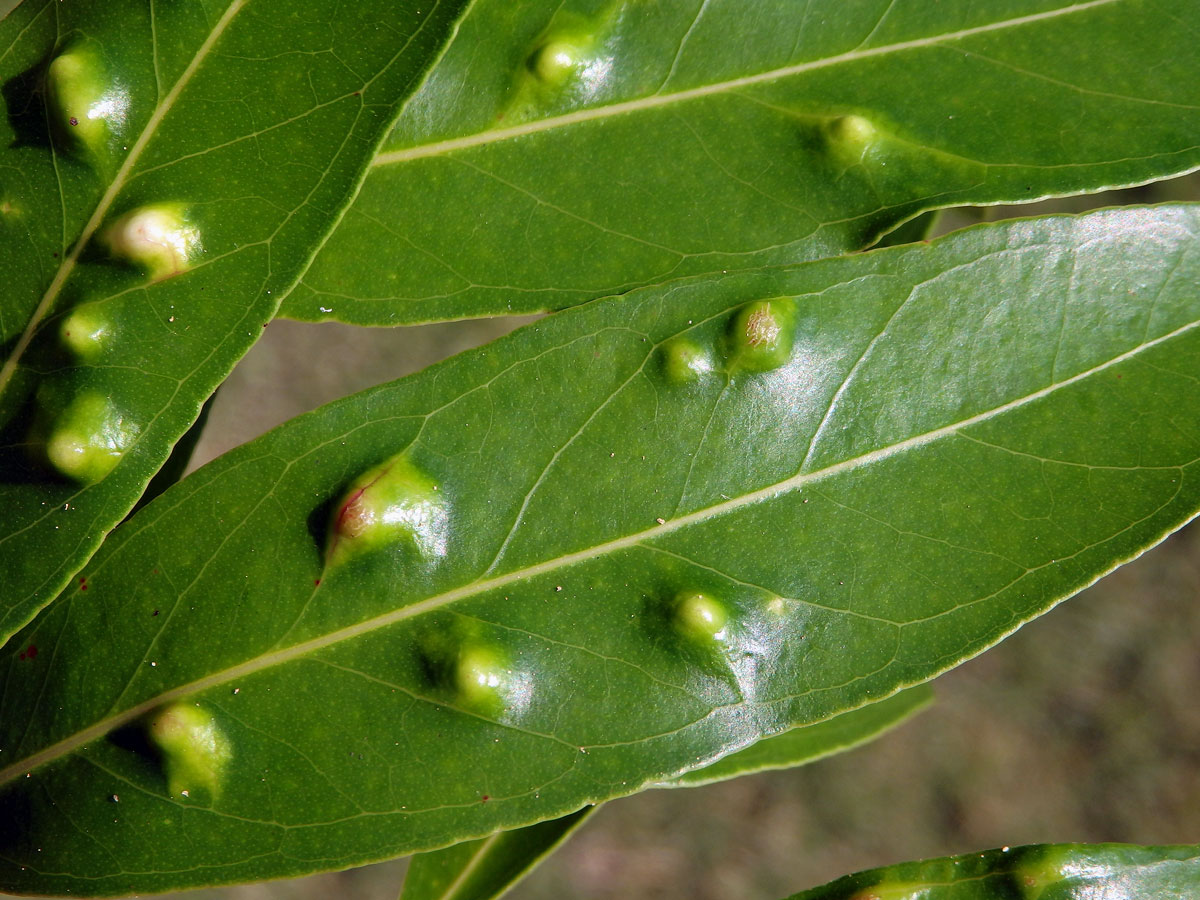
<point>809,743</point>
<point>1040,871</point>
<point>491,866</point>
<point>611,574</point>
<point>724,135</point>
<point>246,123</point>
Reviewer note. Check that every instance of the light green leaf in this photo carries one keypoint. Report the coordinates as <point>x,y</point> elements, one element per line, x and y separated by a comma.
<point>1036,872</point>
<point>487,868</point>
<point>604,574</point>
<point>810,743</point>
<point>725,135</point>
<point>168,170</point>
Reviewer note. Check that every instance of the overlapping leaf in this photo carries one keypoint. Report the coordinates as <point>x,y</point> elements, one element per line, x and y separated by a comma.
<point>251,118</point>
<point>487,868</point>
<point>963,434</point>
<point>714,135</point>
<point>1049,871</point>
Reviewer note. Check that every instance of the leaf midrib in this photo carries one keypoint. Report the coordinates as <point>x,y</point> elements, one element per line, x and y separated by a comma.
<point>115,187</point>
<point>787,485</point>
<point>469,869</point>
<point>653,101</point>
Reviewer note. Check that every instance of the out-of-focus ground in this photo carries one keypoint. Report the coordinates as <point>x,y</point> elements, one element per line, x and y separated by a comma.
<point>1083,726</point>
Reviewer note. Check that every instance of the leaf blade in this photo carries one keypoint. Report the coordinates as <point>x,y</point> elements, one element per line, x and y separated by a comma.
<point>874,565</point>
<point>212,124</point>
<point>809,135</point>
<point>478,870</point>
<point>809,743</point>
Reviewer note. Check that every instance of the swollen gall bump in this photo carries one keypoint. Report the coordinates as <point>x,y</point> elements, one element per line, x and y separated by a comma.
<point>157,238</point>
<point>195,750</point>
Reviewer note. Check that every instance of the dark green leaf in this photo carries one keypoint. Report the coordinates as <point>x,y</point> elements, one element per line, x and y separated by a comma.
<point>715,135</point>
<point>238,128</point>
<point>487,868</point>
<point>601,577</point>
<point>809,743</point>
<point>1037,872</point>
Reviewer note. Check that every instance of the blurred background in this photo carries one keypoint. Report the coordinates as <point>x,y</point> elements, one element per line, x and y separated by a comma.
<point>1084,726</point>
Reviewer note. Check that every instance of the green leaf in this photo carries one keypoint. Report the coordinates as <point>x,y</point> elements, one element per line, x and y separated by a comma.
<point>810,743</point>
<point>487,868</point>
<point>1036,872</point>
<point>915,229</point>
<point>601,573</point>
<point>726,135</point>
<point>168,172</point>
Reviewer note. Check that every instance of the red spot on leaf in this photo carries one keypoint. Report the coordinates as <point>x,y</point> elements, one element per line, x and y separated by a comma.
<point>153,614</point>
<point>484,798</point>
<point>316,582</point>
<point>83,582</point>
<point>29,652</point>
<point>73,120</point>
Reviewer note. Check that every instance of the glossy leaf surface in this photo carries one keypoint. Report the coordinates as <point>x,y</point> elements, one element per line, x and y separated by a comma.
<point>1036,872</point>
<point>810,743</point>
<point>612,575</point>
<point>237,128</point>
<point>714,135</point>
<point>487,868</point>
